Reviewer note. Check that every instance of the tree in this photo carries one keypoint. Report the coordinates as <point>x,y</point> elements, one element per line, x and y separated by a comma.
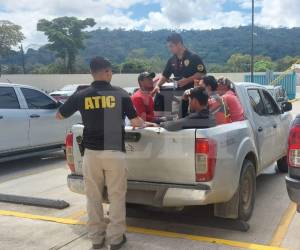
<point>10,36</point>
<point>66,37</point>
<point>263,66</point>
<point>135,66</point>
<point>286,62</point>
<point>239,63</point>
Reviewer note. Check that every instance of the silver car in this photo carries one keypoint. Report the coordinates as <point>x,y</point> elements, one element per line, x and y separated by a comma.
<point>27,122</point>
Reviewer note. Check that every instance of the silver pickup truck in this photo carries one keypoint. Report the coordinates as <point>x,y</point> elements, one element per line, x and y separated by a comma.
<point>190,167</point>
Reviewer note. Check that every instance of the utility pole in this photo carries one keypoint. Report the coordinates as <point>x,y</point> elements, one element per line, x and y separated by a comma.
<point>252,44</point>
<point>23,59</point>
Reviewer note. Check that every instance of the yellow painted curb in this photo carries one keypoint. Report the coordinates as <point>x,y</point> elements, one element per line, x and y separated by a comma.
<point>41,217</point>
<point>138,230</point>
<point>77,215</point>
<point>283,225</point>
<point>231,243</point>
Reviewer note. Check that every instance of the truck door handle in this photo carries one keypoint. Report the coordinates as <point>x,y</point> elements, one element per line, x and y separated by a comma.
<point>260,129</point>
<point>34,116</point>
<point>1,117</point>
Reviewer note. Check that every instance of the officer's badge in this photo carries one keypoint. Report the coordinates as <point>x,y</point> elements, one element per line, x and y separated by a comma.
<point>200,67</point>
<point>186,62</point>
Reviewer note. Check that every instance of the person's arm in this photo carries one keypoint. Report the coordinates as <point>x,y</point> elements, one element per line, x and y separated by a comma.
<point>150,115</point>
<point>130,112</point>
<point>173,125</point>
<point>139,107</point>
<point>184,81</point>
<point>68,108</point>
<point>164,78</point>
<point>137,122</point>
<point>59,116</point>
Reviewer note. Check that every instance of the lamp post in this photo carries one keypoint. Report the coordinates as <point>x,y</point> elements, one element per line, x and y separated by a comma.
<point>252,43</point>
<point>23,58</point>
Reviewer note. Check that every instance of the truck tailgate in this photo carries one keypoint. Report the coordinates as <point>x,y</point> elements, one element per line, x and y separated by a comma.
<point>157,155</point>
<point>153,155</point>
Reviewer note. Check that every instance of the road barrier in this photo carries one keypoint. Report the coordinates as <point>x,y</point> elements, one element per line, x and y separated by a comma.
<point>32,201</point>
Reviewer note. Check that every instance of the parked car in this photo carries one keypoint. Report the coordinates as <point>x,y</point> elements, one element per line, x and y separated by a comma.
<point>27,122</point>
<point>64,93</point>
<point>278,93</point>
<point>216,165</point>
<point>293,179</point>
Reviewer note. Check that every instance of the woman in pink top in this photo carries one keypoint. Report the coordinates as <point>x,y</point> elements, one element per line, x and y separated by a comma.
<point>226,90</point>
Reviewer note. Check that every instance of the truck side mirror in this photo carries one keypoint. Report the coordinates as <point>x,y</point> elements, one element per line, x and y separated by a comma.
<point>286,106</point>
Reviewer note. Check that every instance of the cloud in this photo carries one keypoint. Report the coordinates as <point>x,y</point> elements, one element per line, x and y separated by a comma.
<point>173,14</point>
<point>279,13</point>
<point>196,14</point>
<point>247,4</point>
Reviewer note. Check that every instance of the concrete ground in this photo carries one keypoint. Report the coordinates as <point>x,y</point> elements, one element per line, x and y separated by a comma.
<point>274,224</point>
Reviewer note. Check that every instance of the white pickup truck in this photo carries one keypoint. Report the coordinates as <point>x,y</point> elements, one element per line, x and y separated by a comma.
<point>190,167</point>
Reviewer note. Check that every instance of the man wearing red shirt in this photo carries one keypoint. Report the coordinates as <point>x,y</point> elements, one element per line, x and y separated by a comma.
<point>142,99</point>
<point>225,89</point>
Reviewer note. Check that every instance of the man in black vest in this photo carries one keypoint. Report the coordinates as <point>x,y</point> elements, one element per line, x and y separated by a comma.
<point>103,108</point>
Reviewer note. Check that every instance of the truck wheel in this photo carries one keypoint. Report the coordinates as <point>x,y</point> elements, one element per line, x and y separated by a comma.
<point>247,190</point>
<point>282,165</point>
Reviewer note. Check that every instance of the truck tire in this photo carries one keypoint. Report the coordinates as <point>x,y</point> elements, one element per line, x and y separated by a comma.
<point>282,165</point>
<point>247,189</point>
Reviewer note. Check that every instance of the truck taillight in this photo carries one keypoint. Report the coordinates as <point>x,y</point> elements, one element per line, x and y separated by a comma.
<point>205,159</point>
<point>294,147</point>
<point>69,152</point>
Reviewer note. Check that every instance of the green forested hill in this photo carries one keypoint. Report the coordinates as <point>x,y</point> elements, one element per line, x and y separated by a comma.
<point>215,46</point>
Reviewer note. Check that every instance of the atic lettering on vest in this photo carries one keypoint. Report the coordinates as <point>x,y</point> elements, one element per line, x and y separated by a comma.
<point>99,102</point>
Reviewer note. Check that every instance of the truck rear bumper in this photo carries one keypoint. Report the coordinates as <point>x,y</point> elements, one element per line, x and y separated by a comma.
<point>155,194</point>
<point>293,188</point>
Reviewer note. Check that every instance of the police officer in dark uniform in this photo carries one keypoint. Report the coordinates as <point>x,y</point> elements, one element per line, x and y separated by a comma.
<point>103,108</point>
<point>185,65</point>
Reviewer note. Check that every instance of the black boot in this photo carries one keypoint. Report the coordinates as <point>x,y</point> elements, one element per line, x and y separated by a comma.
<point>118,246</point>
<point>99,246</point>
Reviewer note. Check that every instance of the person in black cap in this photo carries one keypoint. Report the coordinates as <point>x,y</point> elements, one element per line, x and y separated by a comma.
<point>103,108</point>
<point>142,99</point>
<point>184,65</point>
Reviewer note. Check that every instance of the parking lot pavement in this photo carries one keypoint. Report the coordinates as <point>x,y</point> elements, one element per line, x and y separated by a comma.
<point>296,107</point>
<point>274,224</point>
<point>148,229</point>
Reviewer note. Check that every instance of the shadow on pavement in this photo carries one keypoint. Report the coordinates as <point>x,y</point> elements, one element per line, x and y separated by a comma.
<point>34,165</point>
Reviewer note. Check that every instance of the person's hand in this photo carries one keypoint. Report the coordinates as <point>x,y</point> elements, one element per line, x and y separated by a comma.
<point>182,82</point>
<point>186,94</point>
<point>163,119</point>
<point>58,116</point>
<point>151,124</point>
<point>156,79</point>
<point>198,83</point>
<point>155,90</point>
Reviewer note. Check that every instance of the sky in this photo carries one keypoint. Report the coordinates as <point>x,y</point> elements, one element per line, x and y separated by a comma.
<point>150,15</point>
